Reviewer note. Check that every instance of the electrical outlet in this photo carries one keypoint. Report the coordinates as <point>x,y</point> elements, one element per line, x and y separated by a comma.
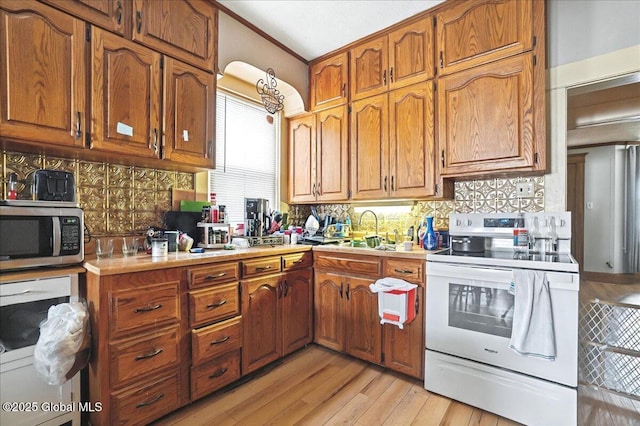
<point>524,190</point>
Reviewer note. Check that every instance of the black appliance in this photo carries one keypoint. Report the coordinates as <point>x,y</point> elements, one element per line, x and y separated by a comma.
<point>53,185</point>
<point>184,222</point>
<point>256,217</point>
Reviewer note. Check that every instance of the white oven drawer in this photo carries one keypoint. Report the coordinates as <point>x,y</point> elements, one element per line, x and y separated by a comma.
<point>33,290</point>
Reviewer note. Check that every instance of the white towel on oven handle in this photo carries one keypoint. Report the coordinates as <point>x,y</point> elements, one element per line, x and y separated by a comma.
<point>532,332</point>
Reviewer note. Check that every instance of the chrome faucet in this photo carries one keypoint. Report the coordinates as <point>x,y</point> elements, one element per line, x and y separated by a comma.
<point>374,216</point>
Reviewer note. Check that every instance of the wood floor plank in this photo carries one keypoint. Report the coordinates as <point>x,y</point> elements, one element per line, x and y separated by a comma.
<point>432,411</point>
<point>336,401</point>
<point>457,414</point>
<point>409,407</point>
<point>483,418</point>
<point>386,402</point>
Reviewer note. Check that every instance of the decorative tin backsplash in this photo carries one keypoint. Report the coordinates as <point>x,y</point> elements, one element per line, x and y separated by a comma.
<point>480,196</point>
<point>116,199</point>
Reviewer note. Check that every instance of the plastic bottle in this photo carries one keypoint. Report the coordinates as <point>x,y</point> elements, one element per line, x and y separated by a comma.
<point>520,234</point>
<point>430,240</point>
<point>12,186</point>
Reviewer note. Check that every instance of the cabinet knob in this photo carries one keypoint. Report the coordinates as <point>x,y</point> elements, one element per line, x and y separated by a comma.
<point>384,77</point>
<point>119,13</point>
<point>391,74</point>
<point>139,21</point>
<point>78,125</point>
<point>441,58</point>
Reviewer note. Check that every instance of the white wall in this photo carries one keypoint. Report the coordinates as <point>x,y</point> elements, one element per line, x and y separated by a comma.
<point>604,212</point>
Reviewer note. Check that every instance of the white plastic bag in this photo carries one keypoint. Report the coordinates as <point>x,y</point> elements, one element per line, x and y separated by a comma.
<point>63,335</point>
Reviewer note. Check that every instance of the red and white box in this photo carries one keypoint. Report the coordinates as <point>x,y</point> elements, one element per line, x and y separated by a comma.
<point>396,299</point>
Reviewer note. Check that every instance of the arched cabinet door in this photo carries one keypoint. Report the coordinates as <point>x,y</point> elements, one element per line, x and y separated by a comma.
<point>125,109</point>
<point>329,82</point>
<point>42,74</point>
<point>189,111</point>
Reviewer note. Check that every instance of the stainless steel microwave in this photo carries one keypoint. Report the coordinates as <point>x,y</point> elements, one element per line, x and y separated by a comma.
<point>36,233</point>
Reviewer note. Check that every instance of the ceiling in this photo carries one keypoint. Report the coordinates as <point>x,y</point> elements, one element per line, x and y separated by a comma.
<point>312,28</point>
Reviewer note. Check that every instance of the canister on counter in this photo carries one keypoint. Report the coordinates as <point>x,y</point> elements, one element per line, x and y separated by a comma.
<point>172,240</point>
<point>159,247</point>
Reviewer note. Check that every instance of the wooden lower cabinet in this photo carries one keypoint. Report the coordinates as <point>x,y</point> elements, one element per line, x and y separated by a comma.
<point>346,312</point>
<point>139,366</point>
<point>346,316</point>
<point>262,325</point>
<point>276,312</point>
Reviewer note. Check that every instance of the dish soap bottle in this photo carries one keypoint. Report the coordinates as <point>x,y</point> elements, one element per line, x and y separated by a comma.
<point>430,240</point>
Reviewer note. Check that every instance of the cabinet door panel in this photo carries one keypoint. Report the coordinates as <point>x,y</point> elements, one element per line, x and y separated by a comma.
<point>412,161</point>
<point>261,322</point>
<point>328,310</point>
<point>107,14</point>
<point>332,153</point>
<point>370,148</point>
<point>411,54</point>
<point>297,310</point>
<point>404,349</point>
<point>126,104</point>
<point>328,82</point>
<point>186,29</point>
<point>369,64</point>
<point>486,117</point>
<point>189,96</point>
<point>42,74</point>
<point>302,159</point>
<point>364,332</point>
<point>470,34</point>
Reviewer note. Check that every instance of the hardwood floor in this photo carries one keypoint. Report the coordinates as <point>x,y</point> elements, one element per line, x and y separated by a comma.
<point>317,386</point>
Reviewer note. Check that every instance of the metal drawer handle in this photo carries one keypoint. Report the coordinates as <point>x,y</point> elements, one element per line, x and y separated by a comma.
<point>149,355</point>
<point>263,268</point>
<point>217,342</point>
<point>216,305</point>
<point>16,294</point>
<point>153,401</point>
<point>218,373</point>
<point>404,271</point>
<point>213,277</point>
<point>491,351</point>
<point>298,261</point>
<point>148,308</point>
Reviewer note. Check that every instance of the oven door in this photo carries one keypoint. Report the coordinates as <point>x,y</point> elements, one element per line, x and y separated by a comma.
<point>469,313</point>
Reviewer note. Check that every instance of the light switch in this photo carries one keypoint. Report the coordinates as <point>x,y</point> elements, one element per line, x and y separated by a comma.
<point>185,135</point>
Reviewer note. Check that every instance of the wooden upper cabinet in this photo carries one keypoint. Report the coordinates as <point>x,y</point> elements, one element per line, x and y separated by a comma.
<point>411,139</point>
<point>411,57</point>
<point>186,30</point>
<point>189,100</point>
<point>332,154</point>
<point>400,58</point>
<point>370,148</point>
<point>474,33</point>
<point>369,68</point>
<point>302,159</point>
<point>485,118</point>
<point>329,80</point>
<point>42,75</point>
<point>111,15</point>
<point>125,108</point>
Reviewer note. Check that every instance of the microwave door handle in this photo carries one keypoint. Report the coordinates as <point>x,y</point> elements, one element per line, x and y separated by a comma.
<point>56,236</point>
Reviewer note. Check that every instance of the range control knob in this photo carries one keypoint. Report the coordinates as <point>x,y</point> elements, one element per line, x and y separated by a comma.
<point>468,222</point>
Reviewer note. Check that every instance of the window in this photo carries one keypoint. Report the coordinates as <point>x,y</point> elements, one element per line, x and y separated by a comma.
<point>247,155</point>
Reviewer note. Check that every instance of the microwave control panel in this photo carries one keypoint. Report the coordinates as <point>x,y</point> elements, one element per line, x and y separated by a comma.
<point>71,235</point>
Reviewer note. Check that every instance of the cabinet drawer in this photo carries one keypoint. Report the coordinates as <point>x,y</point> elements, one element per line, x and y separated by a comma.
<point>215,339</point>
<point>297,260</point>
<point>214,274</point>
<point>215,374</point>
<point>209,305</point>
<point>252,268</point>
<point>350,265</point>
<point>141,355</point>
<point>144,306</point>
<point>408,270</point>
<point>148,402</point>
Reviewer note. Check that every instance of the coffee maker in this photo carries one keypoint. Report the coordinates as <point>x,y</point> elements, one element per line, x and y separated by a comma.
<point>256,217</point>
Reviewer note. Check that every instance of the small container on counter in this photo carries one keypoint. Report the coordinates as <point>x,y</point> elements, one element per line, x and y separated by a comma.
<point>159,247</point>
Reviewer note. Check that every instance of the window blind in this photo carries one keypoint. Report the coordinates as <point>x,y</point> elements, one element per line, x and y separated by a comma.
<point>247,165</point>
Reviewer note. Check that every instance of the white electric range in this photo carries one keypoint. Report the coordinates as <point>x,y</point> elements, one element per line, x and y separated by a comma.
<point>469,318</point>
